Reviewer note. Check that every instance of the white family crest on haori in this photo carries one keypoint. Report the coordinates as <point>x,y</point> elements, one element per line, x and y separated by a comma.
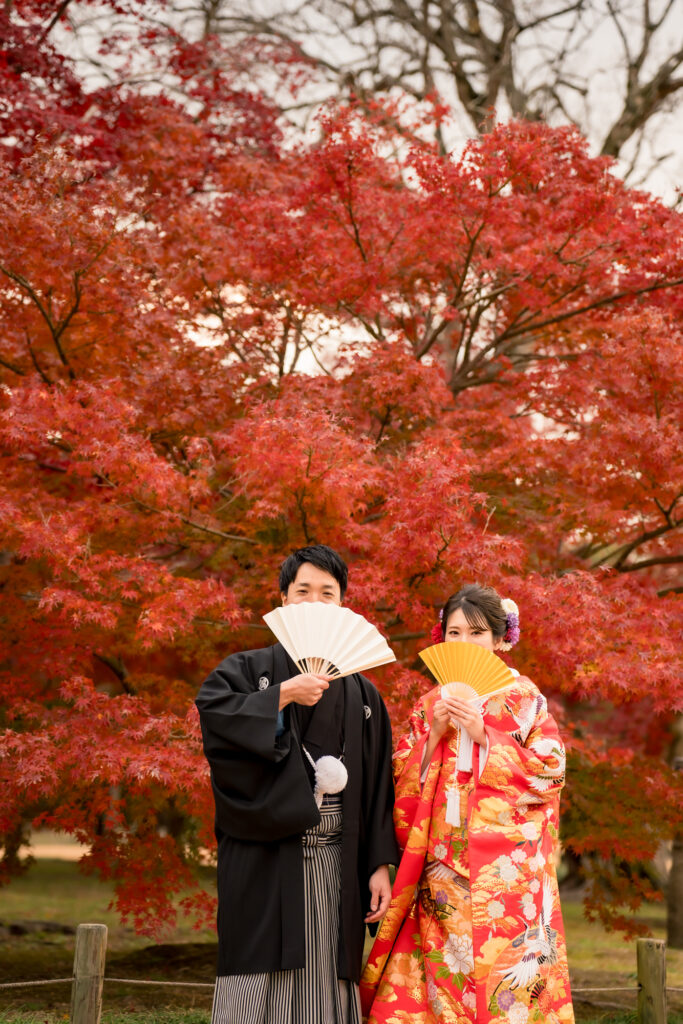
<point>328,639</point>
<point>472,673</point>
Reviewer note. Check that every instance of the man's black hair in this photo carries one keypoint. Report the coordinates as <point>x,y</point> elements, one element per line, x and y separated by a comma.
<point>321,557</point>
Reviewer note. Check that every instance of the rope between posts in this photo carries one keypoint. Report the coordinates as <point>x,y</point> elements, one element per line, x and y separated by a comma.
<point>621,988</point>
<point>616,988</point>
<point>205,984</point>
<point>22,984</point>
<point>175,984</point>
<point>125,981</point>
<point>200,984</point>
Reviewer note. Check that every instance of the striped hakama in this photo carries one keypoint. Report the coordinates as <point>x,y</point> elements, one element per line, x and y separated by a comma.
<point>313,994</point>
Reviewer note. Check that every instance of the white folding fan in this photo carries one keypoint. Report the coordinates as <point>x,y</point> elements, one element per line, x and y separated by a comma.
<point>472,673</point>
<point>328,639</point>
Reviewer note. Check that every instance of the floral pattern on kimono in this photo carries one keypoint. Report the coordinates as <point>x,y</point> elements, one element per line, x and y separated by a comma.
<point>494,829</point>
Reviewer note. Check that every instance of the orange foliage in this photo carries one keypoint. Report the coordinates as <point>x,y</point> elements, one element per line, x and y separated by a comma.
<point>218,344</point>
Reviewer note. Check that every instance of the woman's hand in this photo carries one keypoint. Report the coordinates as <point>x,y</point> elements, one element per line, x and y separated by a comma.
<point>441,719</point>
<point>440,724</point>
<point>448,713</point>
<point>464,713</point>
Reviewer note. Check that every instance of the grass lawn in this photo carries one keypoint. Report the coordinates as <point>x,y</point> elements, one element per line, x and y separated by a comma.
<point>54,891</point>
<point>600,958</point>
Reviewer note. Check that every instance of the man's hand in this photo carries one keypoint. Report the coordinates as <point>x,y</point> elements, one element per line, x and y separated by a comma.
<point>380,894</point>
<point>306,688</point>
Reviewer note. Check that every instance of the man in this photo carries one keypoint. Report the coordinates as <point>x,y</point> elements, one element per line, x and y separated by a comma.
<point>296,883</point>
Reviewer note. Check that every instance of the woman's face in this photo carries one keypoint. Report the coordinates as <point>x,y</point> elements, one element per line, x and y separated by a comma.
<point>458,628</point>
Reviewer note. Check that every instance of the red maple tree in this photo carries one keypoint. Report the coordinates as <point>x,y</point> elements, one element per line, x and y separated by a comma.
<point>220,342</point>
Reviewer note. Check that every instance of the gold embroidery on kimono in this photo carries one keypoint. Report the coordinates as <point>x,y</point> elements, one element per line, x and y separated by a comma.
<point>474,931</point>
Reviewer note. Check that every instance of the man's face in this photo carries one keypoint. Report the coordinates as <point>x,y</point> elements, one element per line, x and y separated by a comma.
<point>312,584</point>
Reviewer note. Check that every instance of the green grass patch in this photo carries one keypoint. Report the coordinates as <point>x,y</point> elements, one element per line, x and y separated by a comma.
<point>55,891</point>
<point>612,1017</point>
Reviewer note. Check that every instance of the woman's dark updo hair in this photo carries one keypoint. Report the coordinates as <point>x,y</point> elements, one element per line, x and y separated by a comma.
<point>480,605</point>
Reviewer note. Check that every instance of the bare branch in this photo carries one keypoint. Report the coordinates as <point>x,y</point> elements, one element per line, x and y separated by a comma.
<point>11,366</point>
<point>608,300</point>
<point>647,563</point>
<point>644,538</point>
<point>55,329</point>
<point>551,15</point>
<point>488,58</point>
<point>115,664</point>
<point>53,21</point>
<point>641,99</point>
<point>168,513</point>
<point>34,359</point>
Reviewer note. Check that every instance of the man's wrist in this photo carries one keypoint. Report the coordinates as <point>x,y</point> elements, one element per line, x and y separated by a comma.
<point>285,689</point>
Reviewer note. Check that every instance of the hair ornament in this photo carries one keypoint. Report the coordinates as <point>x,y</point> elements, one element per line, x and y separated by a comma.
<point>512,624</point>
<point>437,634</point>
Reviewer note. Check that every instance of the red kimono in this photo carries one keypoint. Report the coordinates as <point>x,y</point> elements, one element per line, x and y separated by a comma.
<point>474,931</point>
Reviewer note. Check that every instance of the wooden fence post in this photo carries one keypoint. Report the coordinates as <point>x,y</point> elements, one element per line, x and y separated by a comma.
<point>651,957</point>
<point>86,987</point>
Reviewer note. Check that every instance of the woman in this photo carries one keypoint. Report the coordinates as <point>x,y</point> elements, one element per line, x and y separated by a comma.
<point>474,931</point>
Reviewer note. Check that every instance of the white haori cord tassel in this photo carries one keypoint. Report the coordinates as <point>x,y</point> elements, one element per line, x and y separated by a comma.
<point>331,775</point>
<point>453,805</point>
<point>463,763</point>
<point>466,744</point>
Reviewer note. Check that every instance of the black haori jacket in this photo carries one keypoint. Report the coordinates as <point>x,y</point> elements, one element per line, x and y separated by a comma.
<point>264,801</point>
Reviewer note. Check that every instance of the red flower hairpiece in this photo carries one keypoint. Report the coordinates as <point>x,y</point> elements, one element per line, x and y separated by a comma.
<point>437,634</point>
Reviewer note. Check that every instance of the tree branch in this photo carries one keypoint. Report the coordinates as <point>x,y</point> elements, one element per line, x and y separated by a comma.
<point>54,330</point>
<point>642,100</point>
<point>647,563</point>
<point>530,326</point>
<point>116,665</point>
<point>10,366</point>
<point>190,522</point>
<point>648,535</point>
<point>55,18</point>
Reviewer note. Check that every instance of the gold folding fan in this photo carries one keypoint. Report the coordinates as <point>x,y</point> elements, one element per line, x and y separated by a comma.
<point>467,670</point>
<point>328,639</point>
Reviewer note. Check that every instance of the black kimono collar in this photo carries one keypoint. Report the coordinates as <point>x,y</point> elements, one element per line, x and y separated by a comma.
<point>321,727</point>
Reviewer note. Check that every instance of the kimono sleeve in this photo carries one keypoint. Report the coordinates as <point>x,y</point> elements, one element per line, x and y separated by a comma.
<point>258,777</point>
<point>380,840</point>
<point>407,765</point>
<point>236,716</point>
<point>410,745</point>
<point>525,758</point>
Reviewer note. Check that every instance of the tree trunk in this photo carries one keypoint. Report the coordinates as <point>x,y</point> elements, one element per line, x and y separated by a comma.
<point>674,897</point>
<point>674,901</point>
